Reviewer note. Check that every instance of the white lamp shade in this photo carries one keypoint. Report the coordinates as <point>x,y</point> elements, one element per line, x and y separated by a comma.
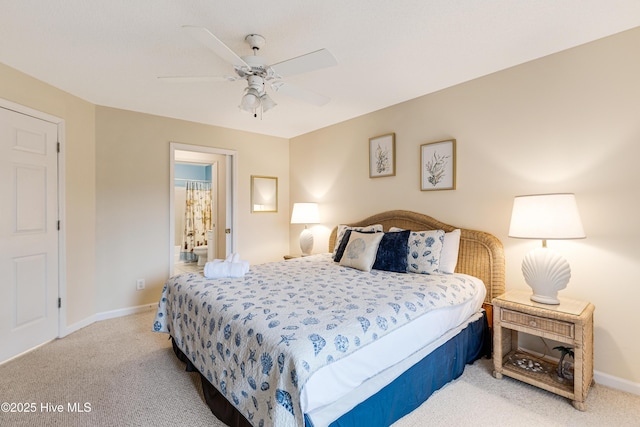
<point>305,213</point>
<point>546,216</point>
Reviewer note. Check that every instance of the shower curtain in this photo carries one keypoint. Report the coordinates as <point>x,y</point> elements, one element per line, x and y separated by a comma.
<point>197,218</point>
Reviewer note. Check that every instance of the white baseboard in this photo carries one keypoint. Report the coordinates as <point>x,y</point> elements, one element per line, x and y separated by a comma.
<point>77,326</point>
<point>617,383</point>
<point>105,315</point>
<point>124,311</point>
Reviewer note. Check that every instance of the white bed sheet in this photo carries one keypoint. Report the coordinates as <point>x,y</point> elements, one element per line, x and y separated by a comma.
<point>336,380</point>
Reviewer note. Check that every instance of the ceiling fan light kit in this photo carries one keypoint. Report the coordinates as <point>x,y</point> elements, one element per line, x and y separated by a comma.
<point>256,72</point>
<point>254,92</point>
<point>266,102</point>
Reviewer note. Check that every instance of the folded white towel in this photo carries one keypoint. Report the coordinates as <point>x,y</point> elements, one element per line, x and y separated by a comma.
<point>231,267</point>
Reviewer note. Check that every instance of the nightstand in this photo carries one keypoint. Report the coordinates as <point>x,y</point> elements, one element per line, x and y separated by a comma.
<point>570,323</point>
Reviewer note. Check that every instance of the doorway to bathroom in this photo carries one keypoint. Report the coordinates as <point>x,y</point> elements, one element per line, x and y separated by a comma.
<point>202,205</point>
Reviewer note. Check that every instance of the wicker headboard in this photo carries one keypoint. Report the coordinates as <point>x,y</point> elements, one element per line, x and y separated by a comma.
<point>481,254</point>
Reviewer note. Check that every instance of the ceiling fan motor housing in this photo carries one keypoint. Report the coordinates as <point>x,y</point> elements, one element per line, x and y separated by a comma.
<point>256,41</point>
<point>257,83</point>
<point>258,65</point>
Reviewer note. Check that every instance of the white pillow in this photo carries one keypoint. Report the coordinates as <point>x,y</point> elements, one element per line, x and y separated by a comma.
<point>377,228</point>
<point>449,253</point>
<point>361,250</point>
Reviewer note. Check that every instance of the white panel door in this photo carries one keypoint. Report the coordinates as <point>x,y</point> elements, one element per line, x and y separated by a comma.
<point>28,232</point>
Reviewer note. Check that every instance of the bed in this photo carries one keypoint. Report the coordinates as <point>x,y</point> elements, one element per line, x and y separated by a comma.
<point>316,342</point>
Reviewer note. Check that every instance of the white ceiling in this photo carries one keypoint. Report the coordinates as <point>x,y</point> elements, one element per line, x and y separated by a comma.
<point>111,52</point>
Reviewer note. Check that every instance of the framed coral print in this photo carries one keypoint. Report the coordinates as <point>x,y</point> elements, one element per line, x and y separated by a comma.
<point>438,165</point>
<point>382,156</point>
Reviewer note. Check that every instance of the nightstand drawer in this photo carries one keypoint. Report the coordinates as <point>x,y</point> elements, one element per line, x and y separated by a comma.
<point>557,327</point>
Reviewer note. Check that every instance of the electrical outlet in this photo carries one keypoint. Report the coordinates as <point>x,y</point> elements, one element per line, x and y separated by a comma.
<point>140,284</point>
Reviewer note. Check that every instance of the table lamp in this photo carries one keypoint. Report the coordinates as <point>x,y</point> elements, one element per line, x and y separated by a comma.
<point>305,213</point>
<point>546,217</point>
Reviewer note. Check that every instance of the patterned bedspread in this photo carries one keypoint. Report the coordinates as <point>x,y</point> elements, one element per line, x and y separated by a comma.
<point>260,337</point>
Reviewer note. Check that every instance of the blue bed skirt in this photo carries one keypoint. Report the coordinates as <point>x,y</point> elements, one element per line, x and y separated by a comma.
<point>402,396</point>
<point>414,386</point>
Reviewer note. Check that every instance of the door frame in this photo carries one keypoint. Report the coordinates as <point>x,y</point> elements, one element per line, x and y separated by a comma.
<point>62,260</point>
<point>231,172</point>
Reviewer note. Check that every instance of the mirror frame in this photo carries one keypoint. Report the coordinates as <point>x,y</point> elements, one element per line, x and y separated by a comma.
<point>258,181</point>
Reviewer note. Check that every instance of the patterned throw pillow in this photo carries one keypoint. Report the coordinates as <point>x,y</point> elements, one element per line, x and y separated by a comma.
<point>425,248</point>
<point>449,253</point>
<point>343,244</point>
<point>343,228</point>
<point>361,250</point>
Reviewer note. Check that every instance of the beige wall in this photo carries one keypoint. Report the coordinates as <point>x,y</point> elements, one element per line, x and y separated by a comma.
<point>80,198</point>
<point>116,224</point>
<point>565,123</point>
<point>132,187</point>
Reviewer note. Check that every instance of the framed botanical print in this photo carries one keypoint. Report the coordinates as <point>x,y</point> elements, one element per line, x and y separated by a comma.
<point>438,165</point>
<point>382,156</point>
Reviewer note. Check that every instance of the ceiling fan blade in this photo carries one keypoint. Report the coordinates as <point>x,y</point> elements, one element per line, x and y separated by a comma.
<point>193,79</point>
<point>206,38</point>
<point>301,64</point>
<point>299,93</point>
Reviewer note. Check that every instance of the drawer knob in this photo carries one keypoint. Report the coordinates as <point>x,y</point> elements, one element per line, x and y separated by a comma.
<point>533,323</point>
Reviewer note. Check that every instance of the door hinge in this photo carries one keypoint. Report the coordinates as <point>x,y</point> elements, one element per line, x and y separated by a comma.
<point>59,302</point>
<point>58,225</point>
<point>58,147</point>
<point>227,231</point>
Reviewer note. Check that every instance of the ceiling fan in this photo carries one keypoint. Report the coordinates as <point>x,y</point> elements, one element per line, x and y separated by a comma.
<point>255,70</point>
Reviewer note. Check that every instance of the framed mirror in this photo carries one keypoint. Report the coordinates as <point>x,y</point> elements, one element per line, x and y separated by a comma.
<point>264,194</point>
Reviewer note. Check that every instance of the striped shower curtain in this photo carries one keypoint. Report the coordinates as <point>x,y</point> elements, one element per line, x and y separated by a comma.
<point>197,218</point>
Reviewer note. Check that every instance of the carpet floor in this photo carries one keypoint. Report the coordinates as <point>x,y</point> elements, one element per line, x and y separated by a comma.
<point>118,373</point>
